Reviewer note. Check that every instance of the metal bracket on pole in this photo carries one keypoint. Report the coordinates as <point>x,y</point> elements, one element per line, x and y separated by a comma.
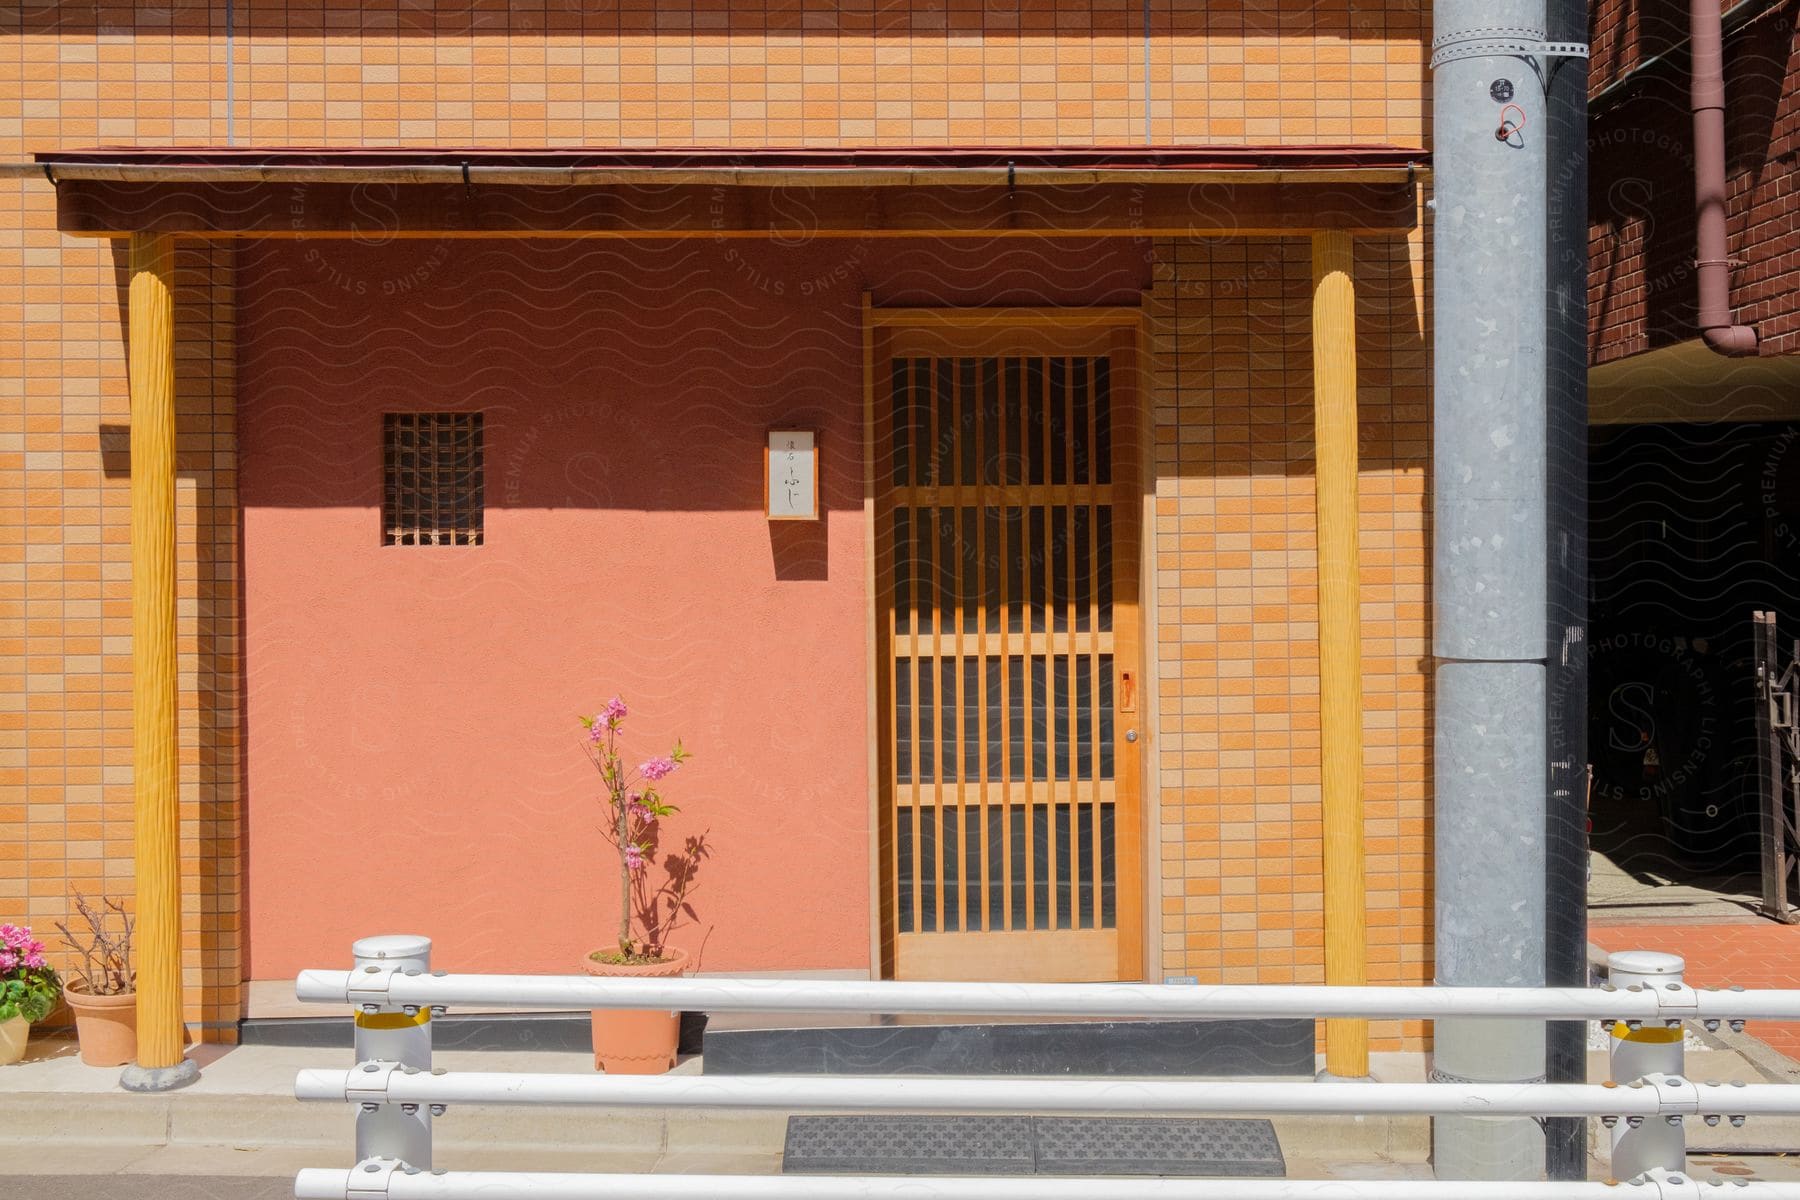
<point>369,985</point>
<point>1675,1002</point>
<point>1672,1185</point>
<point>368,1084</point>
<point>1676,1095</point>
<point>1501,42</point>
<point>371,1179</point>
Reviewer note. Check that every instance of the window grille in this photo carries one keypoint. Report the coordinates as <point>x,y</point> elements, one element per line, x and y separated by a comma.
<point>433,479</point>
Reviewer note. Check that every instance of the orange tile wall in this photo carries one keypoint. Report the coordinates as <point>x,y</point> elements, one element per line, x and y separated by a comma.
<point>1237,618</point>
<point>1233,540</point>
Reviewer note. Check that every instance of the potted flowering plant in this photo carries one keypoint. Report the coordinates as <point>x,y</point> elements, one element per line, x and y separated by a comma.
<point>102,992</point>
<point>28,989</point>
<point>654,896</point>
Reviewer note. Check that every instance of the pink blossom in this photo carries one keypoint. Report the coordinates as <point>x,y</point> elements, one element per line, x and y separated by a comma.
<point>634,857</point>
<point>658,768</point>
<point>19,948</point>
<point>638,810</point>
<point>607,720</point>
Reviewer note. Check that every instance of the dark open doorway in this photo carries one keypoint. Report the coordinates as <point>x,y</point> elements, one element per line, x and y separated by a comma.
<point>1692,528</point>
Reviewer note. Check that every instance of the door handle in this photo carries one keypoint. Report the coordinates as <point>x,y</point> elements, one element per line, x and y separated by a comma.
<point>1131,735</point>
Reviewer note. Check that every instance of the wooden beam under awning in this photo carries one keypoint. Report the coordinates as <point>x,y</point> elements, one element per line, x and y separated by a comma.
<point>1268,206</point>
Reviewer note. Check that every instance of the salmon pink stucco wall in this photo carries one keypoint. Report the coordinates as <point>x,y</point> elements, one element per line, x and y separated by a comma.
<point>412,747</point>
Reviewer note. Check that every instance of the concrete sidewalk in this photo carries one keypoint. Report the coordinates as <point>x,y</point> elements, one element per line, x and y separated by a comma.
<point>241,1120</point>
<point>146,1187</point>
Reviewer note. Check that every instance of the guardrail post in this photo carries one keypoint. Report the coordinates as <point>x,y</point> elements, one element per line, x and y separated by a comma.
<point>391,1033</point>
<point>1635,1053</point>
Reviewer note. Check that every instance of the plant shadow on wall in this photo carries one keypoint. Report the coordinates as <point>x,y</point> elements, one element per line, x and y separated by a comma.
<point>650,911</point>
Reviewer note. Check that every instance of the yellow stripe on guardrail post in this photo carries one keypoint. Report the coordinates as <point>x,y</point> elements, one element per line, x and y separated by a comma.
<point>1638,1050</point>
<point>394,1034</point>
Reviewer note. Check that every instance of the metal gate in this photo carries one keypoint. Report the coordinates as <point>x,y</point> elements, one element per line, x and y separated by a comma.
<point>1777,764</point>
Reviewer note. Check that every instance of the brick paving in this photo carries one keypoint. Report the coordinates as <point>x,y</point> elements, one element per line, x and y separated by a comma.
<point>1759,955</point>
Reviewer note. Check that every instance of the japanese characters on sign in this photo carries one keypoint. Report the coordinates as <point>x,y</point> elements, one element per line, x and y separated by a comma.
<point>791,479</point>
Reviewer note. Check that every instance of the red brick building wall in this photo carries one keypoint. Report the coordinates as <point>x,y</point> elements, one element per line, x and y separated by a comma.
<point>1641,190</point>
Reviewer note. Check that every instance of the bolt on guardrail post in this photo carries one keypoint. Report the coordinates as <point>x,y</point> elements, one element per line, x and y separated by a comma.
<point>1641,1144</point>
<point>395,1034</point>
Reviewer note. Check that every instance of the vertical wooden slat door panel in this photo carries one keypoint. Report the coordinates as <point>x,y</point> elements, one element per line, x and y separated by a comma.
<point>1007,524</point>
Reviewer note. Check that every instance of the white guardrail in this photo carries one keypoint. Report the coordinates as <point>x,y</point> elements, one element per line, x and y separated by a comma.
<point>1645,1005</point>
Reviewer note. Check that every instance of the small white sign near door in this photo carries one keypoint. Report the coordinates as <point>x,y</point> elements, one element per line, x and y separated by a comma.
<point>791,475</point>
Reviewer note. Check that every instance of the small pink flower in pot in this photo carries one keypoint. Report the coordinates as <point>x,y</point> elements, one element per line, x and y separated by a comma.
<point>649,910</point>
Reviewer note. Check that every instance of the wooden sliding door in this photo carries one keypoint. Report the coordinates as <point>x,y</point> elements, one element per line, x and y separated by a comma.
<point>1007,517</point>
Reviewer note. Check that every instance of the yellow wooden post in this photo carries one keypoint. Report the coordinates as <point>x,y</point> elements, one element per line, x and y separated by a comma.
<point>1340,639</point>
<point>160,1064</point>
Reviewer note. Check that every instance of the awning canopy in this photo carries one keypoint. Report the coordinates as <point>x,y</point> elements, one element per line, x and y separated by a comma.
<point>818,166</point>
<point>849,191</point>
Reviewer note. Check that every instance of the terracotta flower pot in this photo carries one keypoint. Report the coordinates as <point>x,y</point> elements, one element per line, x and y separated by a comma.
<point>13,1032</point>
<point>633,1041</point>
<point>105,1025</point>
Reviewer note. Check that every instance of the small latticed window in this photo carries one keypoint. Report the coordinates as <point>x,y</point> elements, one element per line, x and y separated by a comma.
<point>432,465</point>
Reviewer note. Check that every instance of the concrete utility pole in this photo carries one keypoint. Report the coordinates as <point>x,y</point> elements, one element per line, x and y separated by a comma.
<point>1489,569</point>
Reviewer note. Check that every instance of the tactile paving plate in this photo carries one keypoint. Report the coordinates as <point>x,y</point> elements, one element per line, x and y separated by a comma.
<point>1156,1146</point>
<point>882,1145</point>
<point>876,1145</point>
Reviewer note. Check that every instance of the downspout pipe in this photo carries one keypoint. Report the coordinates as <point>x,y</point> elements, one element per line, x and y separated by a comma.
<point>1712,263</point>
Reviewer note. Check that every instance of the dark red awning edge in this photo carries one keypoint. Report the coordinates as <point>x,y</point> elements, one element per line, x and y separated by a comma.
<point>1090,158</point>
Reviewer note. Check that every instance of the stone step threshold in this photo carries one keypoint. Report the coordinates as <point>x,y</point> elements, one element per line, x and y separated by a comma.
<point>1219,1049</point>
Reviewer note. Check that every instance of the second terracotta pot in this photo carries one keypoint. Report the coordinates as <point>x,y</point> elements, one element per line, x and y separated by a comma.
<point>635,1041</point>
<point>105,1025</point>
